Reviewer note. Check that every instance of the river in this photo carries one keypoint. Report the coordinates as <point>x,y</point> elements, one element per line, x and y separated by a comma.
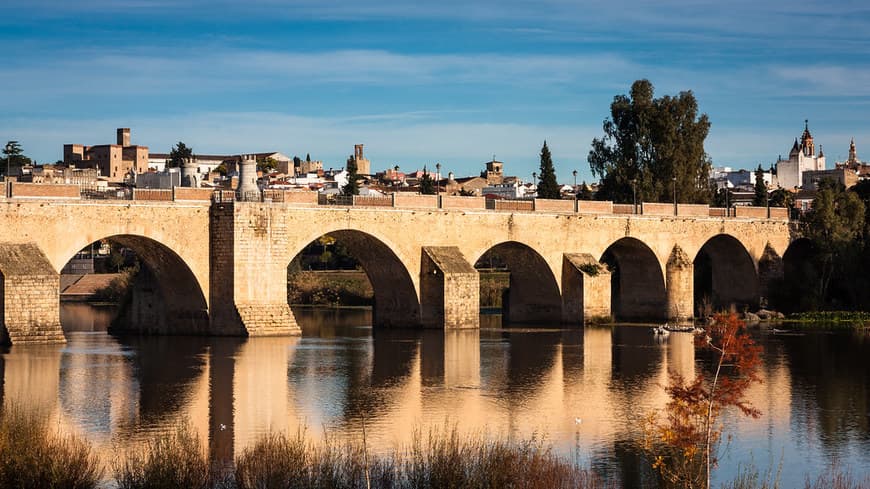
<point>584,390</point>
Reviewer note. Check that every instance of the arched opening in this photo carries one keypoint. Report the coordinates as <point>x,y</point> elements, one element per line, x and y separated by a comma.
<point>517,281</point>
<point>724,276</point>
<point>151,288</point>
<point>637,284</point>
<point>797,291</point>
<point>349,267</point>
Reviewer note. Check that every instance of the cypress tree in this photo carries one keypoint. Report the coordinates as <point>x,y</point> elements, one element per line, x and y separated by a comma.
<point>352,185</point>
<point>760,198</point>
<point>548,188</point>
<point>427,184</point>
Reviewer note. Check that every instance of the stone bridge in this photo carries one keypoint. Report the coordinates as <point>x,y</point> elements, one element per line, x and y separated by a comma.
<point>221,267</point>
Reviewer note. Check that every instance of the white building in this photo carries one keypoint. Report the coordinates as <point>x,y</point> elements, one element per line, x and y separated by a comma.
<point>512,191</point>
<point>725,177</point>
<point>803,157</point>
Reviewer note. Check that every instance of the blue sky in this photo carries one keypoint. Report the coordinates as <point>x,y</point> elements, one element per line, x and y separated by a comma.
<point>448,81</point>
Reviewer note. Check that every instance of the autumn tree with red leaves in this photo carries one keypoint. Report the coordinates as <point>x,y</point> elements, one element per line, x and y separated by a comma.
<point>682,445</point>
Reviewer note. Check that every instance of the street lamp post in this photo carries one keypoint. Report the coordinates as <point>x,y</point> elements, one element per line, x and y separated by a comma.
<point>9,149</point>
<point>634,194</point>
<point>437,178</point>
<point>675,195</point>
<point>727,204</point>
<point>575,179</point>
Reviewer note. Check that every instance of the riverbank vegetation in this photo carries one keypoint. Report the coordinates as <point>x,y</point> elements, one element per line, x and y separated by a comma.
<point>329,288</point>
<point>438,459</point>
<point>829,268</point>
<point>32,455</point>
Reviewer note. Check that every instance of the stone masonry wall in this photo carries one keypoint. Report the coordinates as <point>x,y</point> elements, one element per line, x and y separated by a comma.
<point>585,289</point>
<point>449,289</point>
<point>30,295</point>
<point>260,259</point>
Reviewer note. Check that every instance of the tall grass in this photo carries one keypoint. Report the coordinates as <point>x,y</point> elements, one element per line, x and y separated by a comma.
<point>442,459</point>
<point>168,461</point>
<point>31,456</point>
<point>835,478</point>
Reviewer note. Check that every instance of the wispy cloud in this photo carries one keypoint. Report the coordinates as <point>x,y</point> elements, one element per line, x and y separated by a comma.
<point>826,80</point>
<point>192,70</point>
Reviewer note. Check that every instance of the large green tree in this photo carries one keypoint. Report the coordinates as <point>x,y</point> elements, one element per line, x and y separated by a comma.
<point>178,154</point>
<point>13,157</point>
<point>266,165</point>
<point>548,188</point>
<point>781,198</point>
<point>651,141</point>
<point>835,226</point>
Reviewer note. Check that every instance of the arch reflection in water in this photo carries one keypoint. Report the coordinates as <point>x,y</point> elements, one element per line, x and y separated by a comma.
<point>509,382</point>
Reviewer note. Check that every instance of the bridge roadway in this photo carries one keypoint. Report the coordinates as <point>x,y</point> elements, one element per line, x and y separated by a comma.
<point>221,268</point>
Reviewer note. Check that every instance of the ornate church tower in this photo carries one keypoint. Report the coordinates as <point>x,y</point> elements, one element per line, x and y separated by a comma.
<point>853,153</point>
<point>807,144</point>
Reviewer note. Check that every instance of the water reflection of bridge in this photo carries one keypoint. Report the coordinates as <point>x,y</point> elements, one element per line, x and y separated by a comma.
<point>511,382</point>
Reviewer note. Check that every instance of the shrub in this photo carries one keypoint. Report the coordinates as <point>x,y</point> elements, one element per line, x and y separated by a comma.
<point>169,461</point>
<point>31,456</point>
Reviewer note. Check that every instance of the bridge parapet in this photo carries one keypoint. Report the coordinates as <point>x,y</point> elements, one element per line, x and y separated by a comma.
<point>399,200</point>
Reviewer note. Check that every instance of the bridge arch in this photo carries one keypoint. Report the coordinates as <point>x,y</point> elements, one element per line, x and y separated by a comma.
<point>396,301</point>
<point>532,295</point>
<point>166,297</point>
<point>724,275</point>
<point>797,291</point>
<point>637,280</point>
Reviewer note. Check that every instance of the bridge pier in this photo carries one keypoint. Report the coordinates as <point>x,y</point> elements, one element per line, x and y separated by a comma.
<point>680,275</point>
<point>248,272</point>
<point>585,289</point>
<point>770,271</point>
<point>29,296</point>
<point>449,289</point>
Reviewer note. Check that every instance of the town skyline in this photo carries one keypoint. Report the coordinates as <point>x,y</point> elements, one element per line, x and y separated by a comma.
<point>418,85</point>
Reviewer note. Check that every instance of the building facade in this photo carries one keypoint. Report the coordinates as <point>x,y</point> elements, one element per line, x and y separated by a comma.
<point>801,158</point>
<point>116,162</point>
<point>363,165</point>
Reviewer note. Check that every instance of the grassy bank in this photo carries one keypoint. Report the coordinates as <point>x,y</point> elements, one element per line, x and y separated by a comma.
<point>492,286</point>
<point>838,320</point>
<point>329,288</point>
<point>352,288</point>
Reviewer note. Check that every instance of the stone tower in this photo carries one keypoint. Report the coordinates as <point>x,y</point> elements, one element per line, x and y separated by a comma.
<point>189,174</point>
<point>247,189</point>
<point>363,166</point>
<point>123,136</point>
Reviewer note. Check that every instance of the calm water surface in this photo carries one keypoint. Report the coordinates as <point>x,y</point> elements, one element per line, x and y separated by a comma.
<point>510,382</point>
